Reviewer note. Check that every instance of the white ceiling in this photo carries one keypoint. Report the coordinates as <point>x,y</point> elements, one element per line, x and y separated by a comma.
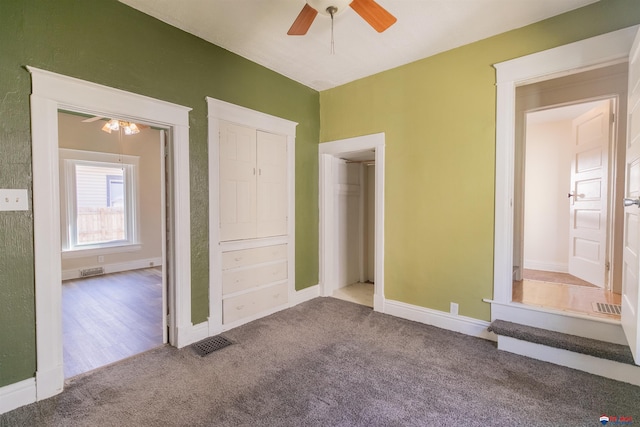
<point>564,113</point>
<point>257,30</point>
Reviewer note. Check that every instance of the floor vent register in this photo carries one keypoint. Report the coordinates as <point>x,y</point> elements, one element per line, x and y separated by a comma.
<point>211,344</point>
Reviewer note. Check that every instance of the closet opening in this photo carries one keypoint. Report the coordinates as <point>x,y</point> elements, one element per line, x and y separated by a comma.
<point>352,219</point>
<point>355,209</point>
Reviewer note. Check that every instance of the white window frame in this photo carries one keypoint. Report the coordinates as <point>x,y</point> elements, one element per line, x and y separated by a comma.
<point>68,160</point>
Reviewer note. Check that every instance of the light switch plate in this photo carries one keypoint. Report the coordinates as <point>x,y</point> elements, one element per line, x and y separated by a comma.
<point>14,200</point>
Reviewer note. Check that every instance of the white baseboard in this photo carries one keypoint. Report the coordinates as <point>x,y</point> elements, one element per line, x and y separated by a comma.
<point>115,268</point>
<point>15,395</point>
<point>546,266</point>
<point>583,362</point>
<point>305,294</point>
<point>440,319</point>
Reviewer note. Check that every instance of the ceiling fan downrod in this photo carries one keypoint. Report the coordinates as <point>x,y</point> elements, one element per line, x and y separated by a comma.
<point>331,10</point>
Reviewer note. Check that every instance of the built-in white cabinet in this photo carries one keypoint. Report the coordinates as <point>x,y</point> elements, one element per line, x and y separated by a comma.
<point>251,203</point>
<point>253,183</point>
<point>253,280</point>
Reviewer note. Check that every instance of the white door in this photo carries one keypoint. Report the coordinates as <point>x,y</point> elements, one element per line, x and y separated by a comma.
<point>237,182</point>
<point>272,193</point>
<point>588,198</point>
<point>631,265</point>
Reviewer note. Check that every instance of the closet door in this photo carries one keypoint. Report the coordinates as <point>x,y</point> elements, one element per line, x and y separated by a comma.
<point>237,182</point>
<point>272,194</point>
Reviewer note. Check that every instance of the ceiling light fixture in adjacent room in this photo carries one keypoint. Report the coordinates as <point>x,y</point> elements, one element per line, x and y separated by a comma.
<point>129,128</point>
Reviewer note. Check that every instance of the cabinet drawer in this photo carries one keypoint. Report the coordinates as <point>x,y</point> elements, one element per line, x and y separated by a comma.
<point>239,280</point>
<point>249,304</point>
<point>234,259</point>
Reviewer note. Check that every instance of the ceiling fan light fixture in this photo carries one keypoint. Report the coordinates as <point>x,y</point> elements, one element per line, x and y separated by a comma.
<point>131,129</point>
<point>111,125</point>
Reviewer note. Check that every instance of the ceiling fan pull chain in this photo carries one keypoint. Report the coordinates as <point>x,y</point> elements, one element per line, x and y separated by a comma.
<point>332,10</point>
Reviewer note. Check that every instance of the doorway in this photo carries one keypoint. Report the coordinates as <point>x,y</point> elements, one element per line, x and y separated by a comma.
<point>352,217</point>
<point>52,92</point>
<point>112,186</point>
<point>566,238</point>
<point>355,209</point>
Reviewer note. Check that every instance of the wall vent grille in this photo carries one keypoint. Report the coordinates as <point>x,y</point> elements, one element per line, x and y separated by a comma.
<point>606,308</point>
<point>96,271</point>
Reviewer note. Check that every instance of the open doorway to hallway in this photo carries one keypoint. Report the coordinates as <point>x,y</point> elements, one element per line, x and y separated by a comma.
<point>567,228</point>
<point>112,240</point>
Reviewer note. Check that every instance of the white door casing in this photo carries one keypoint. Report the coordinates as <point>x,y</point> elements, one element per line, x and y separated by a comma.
<point>595,52</point>
<point>631,252</point>
<point>588,204</point>
<point>327,153</point>
<point>51,92</point>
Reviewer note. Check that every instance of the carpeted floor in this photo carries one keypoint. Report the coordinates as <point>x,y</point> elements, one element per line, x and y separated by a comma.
<point>333,363</point>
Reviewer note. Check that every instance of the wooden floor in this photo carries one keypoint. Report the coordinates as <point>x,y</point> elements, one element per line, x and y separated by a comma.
<point>565,297</point>
<point>109,318</point>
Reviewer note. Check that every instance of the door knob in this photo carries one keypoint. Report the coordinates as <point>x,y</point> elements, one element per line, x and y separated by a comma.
<point>569,195</point>
<point>631,202</point>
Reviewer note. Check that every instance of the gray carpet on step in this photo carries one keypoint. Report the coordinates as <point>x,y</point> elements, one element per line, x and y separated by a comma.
<point>332,363</point>
<point>603,350</point>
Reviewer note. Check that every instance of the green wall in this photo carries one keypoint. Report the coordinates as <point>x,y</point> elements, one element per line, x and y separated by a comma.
<point>106,42</point>
<point>439,118</point>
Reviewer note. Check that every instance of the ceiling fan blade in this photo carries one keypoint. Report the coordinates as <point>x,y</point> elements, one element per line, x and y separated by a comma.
<point>92,119</point>
<point>374,14</point>
<point>303,21</point>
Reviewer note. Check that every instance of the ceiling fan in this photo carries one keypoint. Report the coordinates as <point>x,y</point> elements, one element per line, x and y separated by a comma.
<point>129,128</point>
<point>378,17</point>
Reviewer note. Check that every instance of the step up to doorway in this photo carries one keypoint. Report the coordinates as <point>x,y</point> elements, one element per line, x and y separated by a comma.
<point>597,357</point>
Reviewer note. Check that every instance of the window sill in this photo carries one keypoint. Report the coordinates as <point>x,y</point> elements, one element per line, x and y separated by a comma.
<point>103,250</point>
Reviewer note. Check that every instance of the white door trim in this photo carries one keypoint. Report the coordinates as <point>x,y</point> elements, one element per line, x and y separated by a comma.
<point>327,152</point>
<point>51,92</point>
<point>221,110</point>
<point>576,57</point>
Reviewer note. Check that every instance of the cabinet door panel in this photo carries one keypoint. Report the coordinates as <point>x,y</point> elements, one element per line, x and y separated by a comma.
<point>237,182</point>
<point>272,195</point>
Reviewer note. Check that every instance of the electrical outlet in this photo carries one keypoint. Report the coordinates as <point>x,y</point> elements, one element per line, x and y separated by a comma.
<point>453,308</point>
<point>100,258</point>
<point>14,200</point>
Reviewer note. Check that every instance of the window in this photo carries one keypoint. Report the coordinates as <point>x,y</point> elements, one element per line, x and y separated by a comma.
<point>99,201</point>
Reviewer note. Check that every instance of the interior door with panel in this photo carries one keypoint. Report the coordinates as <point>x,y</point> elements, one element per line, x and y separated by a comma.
<point>631,264</point>
<point>591,138</point>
